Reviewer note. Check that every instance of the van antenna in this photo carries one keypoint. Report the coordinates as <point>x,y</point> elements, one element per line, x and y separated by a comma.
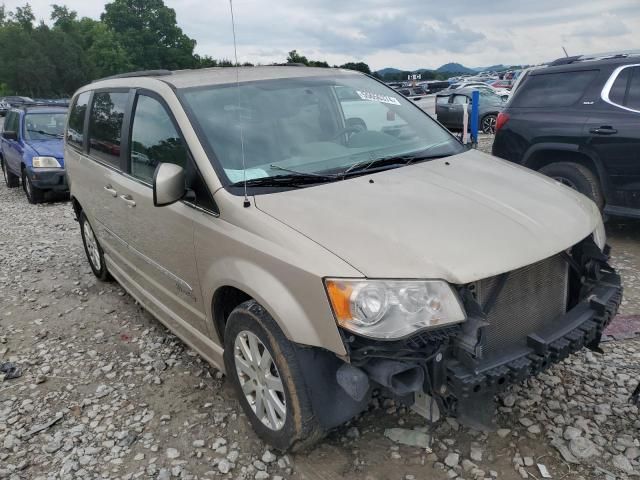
<point>565,52</point>
<point>246,202</point>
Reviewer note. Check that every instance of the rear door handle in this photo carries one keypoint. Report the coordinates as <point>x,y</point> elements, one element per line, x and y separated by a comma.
<point>110,189</point>
<point>604,130</point>
<point>128,199</point>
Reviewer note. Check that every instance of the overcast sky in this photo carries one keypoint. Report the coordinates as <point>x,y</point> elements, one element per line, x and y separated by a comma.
<point>398,33</point>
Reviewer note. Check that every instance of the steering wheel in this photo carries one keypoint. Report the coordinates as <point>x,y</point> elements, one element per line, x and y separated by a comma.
<point>352,129</point>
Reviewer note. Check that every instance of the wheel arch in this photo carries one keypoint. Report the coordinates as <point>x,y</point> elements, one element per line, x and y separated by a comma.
<point>310,322</point>
<point>541,155</point>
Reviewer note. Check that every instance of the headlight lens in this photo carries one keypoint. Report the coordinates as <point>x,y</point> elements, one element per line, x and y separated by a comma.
<point>600,235</point>
<point>45,162</point>
<point>391,309</point>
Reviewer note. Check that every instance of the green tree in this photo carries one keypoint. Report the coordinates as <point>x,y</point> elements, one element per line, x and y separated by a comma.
<point>360,67</point>
<point>106,54</point>
<point>295,57</point>
<point>150,34</point>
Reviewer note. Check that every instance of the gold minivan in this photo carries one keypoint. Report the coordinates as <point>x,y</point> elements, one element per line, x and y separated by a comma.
<point>317,236</point>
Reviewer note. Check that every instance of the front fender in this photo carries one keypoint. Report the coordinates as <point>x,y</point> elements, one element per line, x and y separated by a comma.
<point>300,307</point>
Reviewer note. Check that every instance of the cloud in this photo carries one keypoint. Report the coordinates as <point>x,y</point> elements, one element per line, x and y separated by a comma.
<point>401,33</point>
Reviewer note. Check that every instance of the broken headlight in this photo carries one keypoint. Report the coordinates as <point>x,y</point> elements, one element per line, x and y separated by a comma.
<point>391,309</point>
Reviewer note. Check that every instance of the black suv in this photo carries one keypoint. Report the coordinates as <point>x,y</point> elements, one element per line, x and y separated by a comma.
<point>577,120</point>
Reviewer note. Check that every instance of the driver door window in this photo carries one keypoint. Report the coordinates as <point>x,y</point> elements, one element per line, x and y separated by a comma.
<point>154,140</point>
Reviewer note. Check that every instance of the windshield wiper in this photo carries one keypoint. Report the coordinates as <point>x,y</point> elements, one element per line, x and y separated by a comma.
<point>288,180</point>
<point>392,160</point>
<point>304,174</point>
<point>42,132</point>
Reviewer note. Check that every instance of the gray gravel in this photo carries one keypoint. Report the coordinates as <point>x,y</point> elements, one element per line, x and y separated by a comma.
<point>107,392</point>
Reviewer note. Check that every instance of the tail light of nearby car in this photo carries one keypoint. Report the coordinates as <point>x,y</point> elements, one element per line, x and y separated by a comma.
<point>501,121</point>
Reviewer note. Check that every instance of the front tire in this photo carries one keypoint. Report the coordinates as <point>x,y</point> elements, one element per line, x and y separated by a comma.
<point>34,194</point>
<point>263,368</point>
<point>10,179</point>
<point>92,248</point>
<point>488,123</point>
<point>578,177</point>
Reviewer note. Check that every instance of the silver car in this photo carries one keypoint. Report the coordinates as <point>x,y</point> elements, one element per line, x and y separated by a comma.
<point>317,236</point>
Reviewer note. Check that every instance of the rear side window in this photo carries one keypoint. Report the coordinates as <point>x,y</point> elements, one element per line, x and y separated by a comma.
<point>619,88</point>
<point>553,89</point>
<point>105,126</point>
<point>633,96</point>
<point>75,129</point>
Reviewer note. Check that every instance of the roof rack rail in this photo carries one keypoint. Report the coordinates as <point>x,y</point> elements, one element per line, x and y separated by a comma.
<point>139,73</point>
<point>594,57</point>
<point>42,104</point>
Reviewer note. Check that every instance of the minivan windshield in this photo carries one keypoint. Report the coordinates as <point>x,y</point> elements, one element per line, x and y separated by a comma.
<point>321,126</point>
<point>44,126</point>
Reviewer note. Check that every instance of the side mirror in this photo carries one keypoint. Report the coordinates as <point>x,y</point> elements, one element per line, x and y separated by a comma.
<point>168,184</point>
<point>10,135</point>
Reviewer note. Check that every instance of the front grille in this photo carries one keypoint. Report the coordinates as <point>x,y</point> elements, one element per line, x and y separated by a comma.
<point>532,298</point>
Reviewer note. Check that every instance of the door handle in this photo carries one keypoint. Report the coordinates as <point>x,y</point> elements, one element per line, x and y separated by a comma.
<point>128,199</point>
<point>110,189</point>
<point>604,130</point>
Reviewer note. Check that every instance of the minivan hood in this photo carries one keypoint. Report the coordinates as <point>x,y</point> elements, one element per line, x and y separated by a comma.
<point>48,148</point>
<point>460,218</point>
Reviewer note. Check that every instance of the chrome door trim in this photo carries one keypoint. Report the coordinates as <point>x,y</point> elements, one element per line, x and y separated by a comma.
<point>149,261</point>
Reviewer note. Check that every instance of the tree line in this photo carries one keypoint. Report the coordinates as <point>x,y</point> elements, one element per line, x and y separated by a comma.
<point>46,61</point>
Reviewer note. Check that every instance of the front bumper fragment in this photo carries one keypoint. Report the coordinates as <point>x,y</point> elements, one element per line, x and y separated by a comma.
<point>48,178</point>
<point>581,326</point>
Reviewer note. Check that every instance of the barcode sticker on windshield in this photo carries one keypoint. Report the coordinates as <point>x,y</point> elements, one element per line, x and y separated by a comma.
<point>376,97</point>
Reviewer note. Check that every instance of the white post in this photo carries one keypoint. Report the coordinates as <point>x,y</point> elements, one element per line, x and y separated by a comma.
<point>465,123</point>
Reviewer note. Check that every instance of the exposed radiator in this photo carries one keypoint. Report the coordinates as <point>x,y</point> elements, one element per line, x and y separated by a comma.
<point>532,298</point>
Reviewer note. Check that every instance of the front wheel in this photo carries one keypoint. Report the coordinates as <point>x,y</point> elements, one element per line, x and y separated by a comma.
<point>578,177</point>
<point>10,179</point>
<point>488,124</point>
<point>34,194</point>
<point>263,368</point>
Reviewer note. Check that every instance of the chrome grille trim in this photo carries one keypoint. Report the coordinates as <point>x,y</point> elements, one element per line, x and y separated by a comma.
<point>531,299</point>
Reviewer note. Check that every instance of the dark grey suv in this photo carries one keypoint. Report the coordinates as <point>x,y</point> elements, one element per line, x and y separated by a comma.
<point>578,120</point>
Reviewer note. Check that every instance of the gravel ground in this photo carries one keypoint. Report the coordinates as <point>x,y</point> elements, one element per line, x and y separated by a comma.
<point>107,392</point>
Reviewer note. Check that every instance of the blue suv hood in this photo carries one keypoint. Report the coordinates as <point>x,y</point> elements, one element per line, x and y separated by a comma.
<point>48,148</point>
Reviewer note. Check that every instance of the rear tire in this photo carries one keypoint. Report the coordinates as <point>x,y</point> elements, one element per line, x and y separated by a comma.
<point>578,177</point>
<point>295,430</point>
<point>34,194</point>
<point>92,248</point>
<point>10,179</point>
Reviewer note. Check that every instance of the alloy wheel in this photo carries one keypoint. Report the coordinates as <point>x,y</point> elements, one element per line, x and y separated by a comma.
<point>260,380</point>
<point>489,124</point>
<point>92,245</point>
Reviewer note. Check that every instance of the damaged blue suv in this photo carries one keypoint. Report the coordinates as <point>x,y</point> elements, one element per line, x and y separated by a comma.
<point>31,149</point>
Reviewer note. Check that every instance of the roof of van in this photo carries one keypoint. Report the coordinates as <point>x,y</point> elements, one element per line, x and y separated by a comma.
<point>227,75</point>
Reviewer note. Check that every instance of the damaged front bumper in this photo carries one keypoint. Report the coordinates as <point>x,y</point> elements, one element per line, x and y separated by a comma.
<point>453,365</point>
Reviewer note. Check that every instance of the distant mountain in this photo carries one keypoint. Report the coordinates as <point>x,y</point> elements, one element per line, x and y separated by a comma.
<point>388,70</point>
<point>493,68</point>
<point>455,68</point>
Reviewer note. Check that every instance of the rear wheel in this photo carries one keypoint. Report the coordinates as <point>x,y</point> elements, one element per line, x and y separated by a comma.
<point>578,177</point>
<point>10,179</point>
<point>92,248</point>
<point>263,368</point>
<point>34,194</point>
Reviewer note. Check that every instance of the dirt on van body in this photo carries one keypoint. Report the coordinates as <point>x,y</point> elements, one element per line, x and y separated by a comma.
<point>106,391</point>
